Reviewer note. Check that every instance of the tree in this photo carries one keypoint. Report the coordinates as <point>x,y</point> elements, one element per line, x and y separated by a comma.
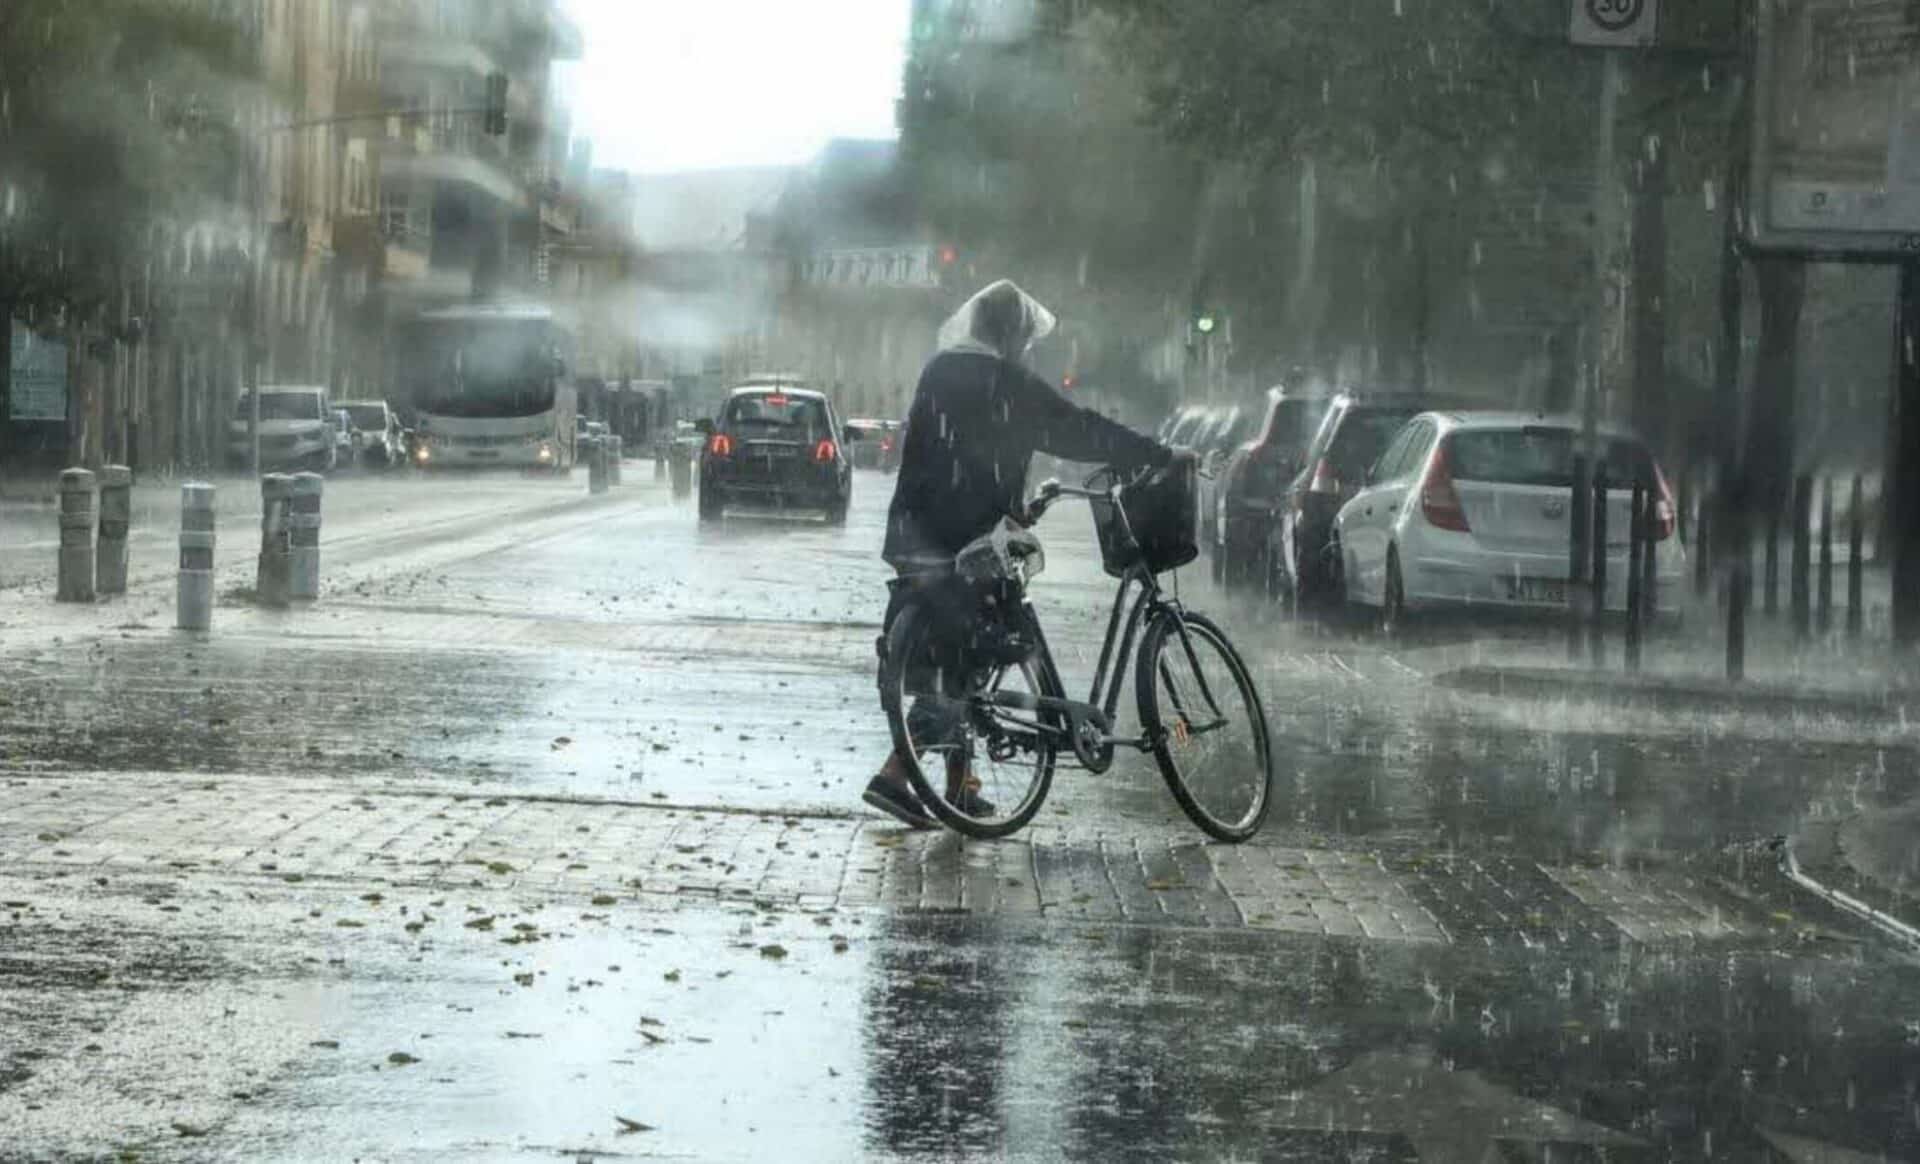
<point>116,122</point>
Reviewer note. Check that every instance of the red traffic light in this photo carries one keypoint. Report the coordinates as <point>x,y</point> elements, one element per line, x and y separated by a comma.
<point>1068,381</point>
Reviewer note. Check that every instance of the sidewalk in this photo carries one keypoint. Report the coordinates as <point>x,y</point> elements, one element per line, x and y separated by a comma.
<point>371,522</point>
<point>1683,669</point>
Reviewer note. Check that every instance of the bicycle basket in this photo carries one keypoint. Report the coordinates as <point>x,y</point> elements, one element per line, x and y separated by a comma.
<point>1163,511</point>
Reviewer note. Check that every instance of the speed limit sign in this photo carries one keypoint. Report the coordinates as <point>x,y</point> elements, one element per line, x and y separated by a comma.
<point>1614,22</point>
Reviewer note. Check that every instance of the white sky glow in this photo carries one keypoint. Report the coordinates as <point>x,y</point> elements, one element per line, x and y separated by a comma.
<point>674,85</point>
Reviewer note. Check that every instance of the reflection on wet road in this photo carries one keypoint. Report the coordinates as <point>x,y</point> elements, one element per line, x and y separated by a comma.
<point>547,844</point>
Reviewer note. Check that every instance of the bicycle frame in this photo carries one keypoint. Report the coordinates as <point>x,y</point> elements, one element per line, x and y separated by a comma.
<point>1130,611</point>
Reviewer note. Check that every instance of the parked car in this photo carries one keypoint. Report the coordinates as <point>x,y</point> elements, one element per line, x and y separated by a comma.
<point>382,441</point>
<point>346,438</point>
<point>775,445</point>
<point>875,444</point>
<point>1252,483</point>
<point>1475,508</point>
<point>1227,426</point>
<point>297,429</point>
<point>1180,429</point>
<point>1303,562</point>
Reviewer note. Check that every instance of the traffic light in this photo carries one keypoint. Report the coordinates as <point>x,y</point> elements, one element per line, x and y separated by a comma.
<point>494,117</point>
<point>1068,381</point>
<point>1204,323</point>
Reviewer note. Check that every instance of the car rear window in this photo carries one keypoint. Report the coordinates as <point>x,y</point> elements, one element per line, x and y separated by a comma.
<point>1539,456</point>
<point>1363,435</point>
<point>1295,422</point>
<point>367,418</point>
<point>777,416</point>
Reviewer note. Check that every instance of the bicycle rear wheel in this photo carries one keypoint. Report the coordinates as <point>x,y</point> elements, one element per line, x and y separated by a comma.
<point>981,769</point>
<point>1208,731</point>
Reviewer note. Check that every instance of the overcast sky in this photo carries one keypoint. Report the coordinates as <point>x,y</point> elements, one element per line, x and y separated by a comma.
<point>671,85</point>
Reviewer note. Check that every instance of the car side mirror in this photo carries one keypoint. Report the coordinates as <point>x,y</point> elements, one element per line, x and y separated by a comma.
<point>703,425</point>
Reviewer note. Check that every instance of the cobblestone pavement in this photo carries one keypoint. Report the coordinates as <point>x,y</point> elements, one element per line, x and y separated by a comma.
<point>256,829</point>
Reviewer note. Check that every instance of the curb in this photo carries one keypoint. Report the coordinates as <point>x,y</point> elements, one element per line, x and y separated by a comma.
<point>1880,920</point>
<point>1673,693</point>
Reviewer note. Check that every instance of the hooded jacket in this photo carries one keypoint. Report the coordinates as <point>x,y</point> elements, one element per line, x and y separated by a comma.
<point>977,418</point>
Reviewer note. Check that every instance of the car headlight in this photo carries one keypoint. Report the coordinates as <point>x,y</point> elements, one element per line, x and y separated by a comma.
<point>422,454</point>
<point>546,452</point>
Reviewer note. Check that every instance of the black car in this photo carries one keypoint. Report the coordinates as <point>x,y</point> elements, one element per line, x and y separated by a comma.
<point>778,446</point>
<point>1302,559</point>
<point>1254,479</point>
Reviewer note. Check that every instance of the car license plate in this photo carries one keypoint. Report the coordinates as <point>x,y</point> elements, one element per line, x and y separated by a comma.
<point>1541,590</point>
<point>485,454</point>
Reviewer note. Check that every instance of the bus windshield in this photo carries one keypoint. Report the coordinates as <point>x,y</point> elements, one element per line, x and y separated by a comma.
<point>481,367</point>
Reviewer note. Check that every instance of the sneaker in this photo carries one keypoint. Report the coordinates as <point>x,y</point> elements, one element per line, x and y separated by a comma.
<point>897,800</point>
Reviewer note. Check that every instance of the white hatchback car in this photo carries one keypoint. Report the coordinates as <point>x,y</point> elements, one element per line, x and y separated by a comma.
<point>1474,509</point>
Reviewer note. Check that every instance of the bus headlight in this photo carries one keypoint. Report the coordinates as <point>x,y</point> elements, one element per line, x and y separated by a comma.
<point>545,455</point>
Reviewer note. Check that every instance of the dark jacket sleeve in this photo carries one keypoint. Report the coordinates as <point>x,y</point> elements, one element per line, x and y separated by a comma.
<point>1073,433</point>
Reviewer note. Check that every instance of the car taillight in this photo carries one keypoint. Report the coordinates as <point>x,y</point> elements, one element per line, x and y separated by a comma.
<point>886,446</point>
<point>824,451</point>
<point>1439,500</point>
<point>720,445</point>
<point>1325,480</point>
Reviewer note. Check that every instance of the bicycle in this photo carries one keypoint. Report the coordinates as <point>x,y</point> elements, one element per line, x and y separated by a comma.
<point>997,701</point>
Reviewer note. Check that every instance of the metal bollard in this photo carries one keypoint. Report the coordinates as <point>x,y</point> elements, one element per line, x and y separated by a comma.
<point>304,527</point>
<point>1770,581</point>
<point>116,516</point>
<point>1650,559</point>
<point>596,465</point>
<point>1823,585</point>
<point>1596,636</point>
<point>1800,590</point>
<point>680,468</point>
<point>616,449</point>
<point>1578,527</point>
<point>276,540</point>
<point>659,461</point>
<point>1703,546</point>
<point>1638,544</point>
<point>76,536</point>
<point>196,557</point>
<point>1856,527</point>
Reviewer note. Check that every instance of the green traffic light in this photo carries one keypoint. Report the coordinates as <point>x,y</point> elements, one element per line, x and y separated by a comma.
<point>1204,324</point>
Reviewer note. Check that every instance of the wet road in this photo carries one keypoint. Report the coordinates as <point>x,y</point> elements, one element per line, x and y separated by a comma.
<point>547,736</point>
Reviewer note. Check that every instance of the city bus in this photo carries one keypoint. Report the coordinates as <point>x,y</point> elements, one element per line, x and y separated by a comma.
<point>488,386</point>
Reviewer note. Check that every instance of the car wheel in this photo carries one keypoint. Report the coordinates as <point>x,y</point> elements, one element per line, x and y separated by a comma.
<point>712,504</point>
<point>837,512</point>
<point>1393,600</point>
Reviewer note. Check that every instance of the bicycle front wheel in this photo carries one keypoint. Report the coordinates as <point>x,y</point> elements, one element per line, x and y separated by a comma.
<point>981,767</point>
<point>1208,731</point>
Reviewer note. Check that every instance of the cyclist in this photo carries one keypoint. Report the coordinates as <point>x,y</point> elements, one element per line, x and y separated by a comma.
<point>978,416</point>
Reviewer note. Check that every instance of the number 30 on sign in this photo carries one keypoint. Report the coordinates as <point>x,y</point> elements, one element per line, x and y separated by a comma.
<point>1614,22</point>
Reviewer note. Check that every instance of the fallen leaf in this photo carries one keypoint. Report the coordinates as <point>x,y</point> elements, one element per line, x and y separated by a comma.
<point>628,1127</point>
<point>190,1130</point>
<point>773,950</point>
<point>401,1059</point>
